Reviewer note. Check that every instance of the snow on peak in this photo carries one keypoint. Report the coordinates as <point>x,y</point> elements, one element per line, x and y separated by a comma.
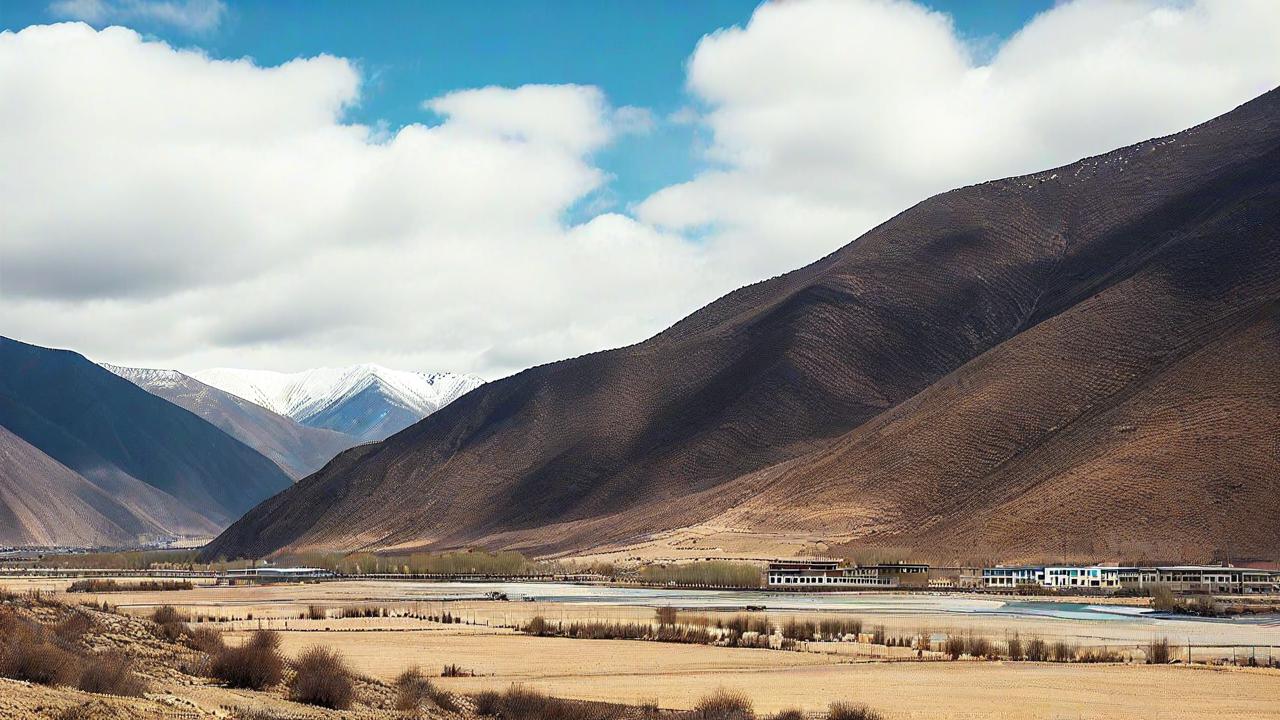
<point>306,394</point>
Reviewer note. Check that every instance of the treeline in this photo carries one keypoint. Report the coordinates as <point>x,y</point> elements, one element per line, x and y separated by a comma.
<point>105,586</point>
<point>136,560</point>
<point>462,562</point>
<point>717,573</point>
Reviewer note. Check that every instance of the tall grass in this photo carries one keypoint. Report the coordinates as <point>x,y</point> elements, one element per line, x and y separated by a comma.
<point>1157,652</point>
<point>716,573</point>
<point>850,711</point>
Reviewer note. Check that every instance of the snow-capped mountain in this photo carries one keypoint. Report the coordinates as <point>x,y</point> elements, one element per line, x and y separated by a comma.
<point>368,402</point>
<point>299,450</point>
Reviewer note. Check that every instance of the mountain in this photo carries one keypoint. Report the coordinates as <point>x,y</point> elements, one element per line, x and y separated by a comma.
<point>173,473</point>
<point>368,402</point>
<point>1075,363</point>
<point>298,450</point>
<point>44,503</point>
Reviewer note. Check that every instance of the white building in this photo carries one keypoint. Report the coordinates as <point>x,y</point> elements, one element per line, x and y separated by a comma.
<point>1012,577</point>
<point>1097,577</point>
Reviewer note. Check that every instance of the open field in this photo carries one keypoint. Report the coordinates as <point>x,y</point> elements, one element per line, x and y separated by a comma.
<point>675,676</point>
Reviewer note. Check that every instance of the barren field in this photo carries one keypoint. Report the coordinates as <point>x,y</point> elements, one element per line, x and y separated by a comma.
<point>675,676</point>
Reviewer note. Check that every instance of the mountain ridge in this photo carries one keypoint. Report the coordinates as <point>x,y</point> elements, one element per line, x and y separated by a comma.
<point>298,449</point>
<point>367,401</point>
<point>737,419</point>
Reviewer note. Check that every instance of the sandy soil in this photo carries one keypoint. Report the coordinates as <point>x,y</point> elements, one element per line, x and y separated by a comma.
<point>675,676</point>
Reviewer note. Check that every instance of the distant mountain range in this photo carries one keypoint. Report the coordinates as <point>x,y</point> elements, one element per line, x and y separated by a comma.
<point>367,402</point>
<point>1081,363</point>
<point>299,450</point>
<point>88,458</point>
<point>106,455</point>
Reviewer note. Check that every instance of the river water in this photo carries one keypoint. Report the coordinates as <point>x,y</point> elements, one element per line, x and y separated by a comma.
<point>868,603</point>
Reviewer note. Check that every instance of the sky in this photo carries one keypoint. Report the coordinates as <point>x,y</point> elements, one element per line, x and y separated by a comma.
<point>483,187</point>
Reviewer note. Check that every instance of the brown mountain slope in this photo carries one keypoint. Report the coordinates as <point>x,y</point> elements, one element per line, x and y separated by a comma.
<point>43,503</point>
<point>887,391</point>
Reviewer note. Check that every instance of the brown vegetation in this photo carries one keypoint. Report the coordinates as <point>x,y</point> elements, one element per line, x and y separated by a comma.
<point>255,665</point>
<point>95,585</point>
<point>111,673</point>
<point>321,677</point>
<point>413,688</point>
<point>724,704</point>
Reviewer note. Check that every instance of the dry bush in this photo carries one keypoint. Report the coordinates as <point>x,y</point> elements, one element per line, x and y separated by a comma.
<point>1163,599</point>
<point>789,714</point>
<point>167,614</point>
<point>666,615</point>
<point>1063,651</point>
<point>849,711</point>
<point>954,646</point>
<point>452,670</point>
<point>1157,652</point>
<point>206,640</point>
<point>520,703</point>
<point>321,677</point>
<point>315,612</point>
<point>538,626</point>
<point>170,624</point>
<point>111,674</point>
<point>39,661</point>
<point>257,664</point>
<point>1013,646</point>
<point>724,704</point>
<point>1098,655</point>
<point>74,627</point>
<point>1037,650</point>
<point>413,687</point>
<point>487,702</point>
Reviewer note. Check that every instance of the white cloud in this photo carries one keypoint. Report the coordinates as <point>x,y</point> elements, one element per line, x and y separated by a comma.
<point>160,207</point>
<point>827,117</point>
<point>195,16</point>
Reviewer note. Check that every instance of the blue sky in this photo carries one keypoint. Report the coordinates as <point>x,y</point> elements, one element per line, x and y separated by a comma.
<point>409,51</point>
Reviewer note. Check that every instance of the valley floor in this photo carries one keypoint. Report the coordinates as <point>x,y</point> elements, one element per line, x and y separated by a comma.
<point>890,680</point>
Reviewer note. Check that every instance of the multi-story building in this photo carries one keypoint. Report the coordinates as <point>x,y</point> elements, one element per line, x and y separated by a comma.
<point>831,575</point>
<point>1093,577</point>
<point>1011,577</point>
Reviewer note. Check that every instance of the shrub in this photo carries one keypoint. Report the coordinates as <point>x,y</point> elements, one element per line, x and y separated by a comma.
<point>1063,651</point>
<point>254,665</point>
<point>954,646</point>
<point>111,674</point>
<point>488,703</point>
<point>538,626</point>
<point>724,704</point>
<point>315,612</point>
<point>849,711</point>
<point>206,640</point>
<point>1037,650</point>
<point>412,688</point>
<point>789,714</point>
<point>665,615</point>
<point>1162,599</point>
<point>321,677</point>
<point>520,703</point>
<point>39,662</point>
<point>167,614</point>
<point>74,627</point>
<point>1013,646</point>
<point>1157,652</point>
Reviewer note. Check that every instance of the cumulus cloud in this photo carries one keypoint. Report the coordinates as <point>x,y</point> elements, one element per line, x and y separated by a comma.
<point>829,116</point>
<point>161,207</point>
<point>195,16</point>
